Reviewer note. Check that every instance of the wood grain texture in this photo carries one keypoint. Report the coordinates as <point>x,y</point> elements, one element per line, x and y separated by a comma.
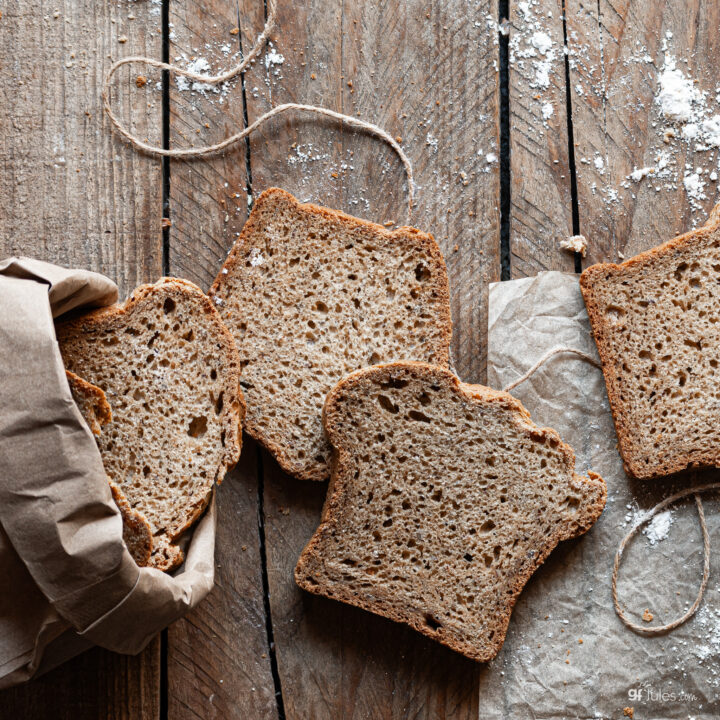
<point>208,197</point>
<point>218,656</point>
<point>72,192</point>
<point>362,59</point>
<point>618,50</point>
<point>94,686</point>
<point>541,200</point>
<point>75,195</point>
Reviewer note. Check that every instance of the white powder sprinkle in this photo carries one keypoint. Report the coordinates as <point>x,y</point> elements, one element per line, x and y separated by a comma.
<point>639,173</point>
<point>273,57</point>
<point>256,257</point>
<point>541,42</point>
<point>659,527</point>
<point>547,111</point>
<point>677,93</point>
<point>491,158</point>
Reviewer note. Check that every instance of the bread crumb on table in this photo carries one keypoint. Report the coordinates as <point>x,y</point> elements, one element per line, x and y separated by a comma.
<point>575,243</point>
<point>647,616</point>
<point>629,712</point>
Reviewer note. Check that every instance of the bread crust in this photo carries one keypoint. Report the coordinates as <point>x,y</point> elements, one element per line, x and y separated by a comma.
<point>112,318</point>
<point>440,353</point>
<point>591,280</point>
<point>342,480</point>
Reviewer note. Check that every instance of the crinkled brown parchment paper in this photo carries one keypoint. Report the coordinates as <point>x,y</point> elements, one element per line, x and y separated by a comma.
<point>567,655</point>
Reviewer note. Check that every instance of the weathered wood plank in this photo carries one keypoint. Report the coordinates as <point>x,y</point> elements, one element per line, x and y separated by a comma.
<point>74,194</point>
<point>218,657</point>
<point>618,52</point>
<point>541,200</point>
<point>363,59</point>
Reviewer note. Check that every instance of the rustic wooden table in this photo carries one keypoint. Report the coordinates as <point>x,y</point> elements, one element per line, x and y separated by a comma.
<point>434,73</point>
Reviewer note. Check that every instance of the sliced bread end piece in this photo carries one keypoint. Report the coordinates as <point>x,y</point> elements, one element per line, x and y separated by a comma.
<point>656,324</point>
<point>444,499</point>
<point>95,409</point>
<point>170,372</point>
<point>311,294</point>
<point>91,402</point>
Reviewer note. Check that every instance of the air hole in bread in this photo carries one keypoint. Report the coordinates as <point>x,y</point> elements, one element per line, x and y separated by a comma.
<point>198,426</point>
<point>387,404</point>
<point>432,622</point>
<point>169,306</point>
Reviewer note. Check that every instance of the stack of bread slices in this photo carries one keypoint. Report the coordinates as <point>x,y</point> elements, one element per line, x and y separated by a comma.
<point>327,339</point>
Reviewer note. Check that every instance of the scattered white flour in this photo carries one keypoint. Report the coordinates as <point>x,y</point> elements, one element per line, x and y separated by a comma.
<point>575,243</point>
<point>711,131</point>
<point>599,163</point>
<point>659,527</point>
<point>694,186</point>
<point>639,173</point>
<point>542,42</point>
<point>547,111</point>
<point>490,158</point>
<point>273,57</point>
<point>677,93</point>
<point>707,642</point>
<point>432,141</point>
<point>256,257</point>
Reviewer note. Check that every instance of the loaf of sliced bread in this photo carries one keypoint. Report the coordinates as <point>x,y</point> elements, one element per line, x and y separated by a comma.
<point>656,322</point>
<point>310,295</point>
<point>170,371</point>
<point>443,501</point>
<point>95,409</point>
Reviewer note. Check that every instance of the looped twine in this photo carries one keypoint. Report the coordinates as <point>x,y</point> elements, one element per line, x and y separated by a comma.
<point>189,153</point>
<point>545,358</point>
<point>659,629</point>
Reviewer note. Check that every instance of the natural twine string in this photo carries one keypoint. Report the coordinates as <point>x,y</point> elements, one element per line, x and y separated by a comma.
<point>695,490</point>
<point>545,358</point>
<point>188,153</point>
<point>659,629</point>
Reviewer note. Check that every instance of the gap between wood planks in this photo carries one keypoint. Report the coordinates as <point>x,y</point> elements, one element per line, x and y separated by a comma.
<point>505,130</point>
<point>164,699</point>
<point>505,255</point>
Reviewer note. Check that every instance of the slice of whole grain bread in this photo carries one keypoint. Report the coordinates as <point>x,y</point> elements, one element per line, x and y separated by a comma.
<point>170,371</point>
<point>95,409</point>
<point>311,294</point>
<point>656,323</point>
<point>444,499</point>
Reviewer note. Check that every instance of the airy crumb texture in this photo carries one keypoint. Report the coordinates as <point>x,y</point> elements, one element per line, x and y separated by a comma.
<point>444,499</point>
<point>137,532</point>
<point>170,371</point>
<point>91,402</point>
<point>95,409</point>
<point>656,322</point>
<point>310,295</point>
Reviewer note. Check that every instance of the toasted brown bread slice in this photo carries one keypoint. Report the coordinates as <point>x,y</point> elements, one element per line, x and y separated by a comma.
<point>94,407</point>
<point>310,295</point>
<point>170,371</point>
<point>656,322</point>
<point>444,499</point>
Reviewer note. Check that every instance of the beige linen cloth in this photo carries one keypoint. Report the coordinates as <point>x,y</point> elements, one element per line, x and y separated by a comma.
<point>67,582</point>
